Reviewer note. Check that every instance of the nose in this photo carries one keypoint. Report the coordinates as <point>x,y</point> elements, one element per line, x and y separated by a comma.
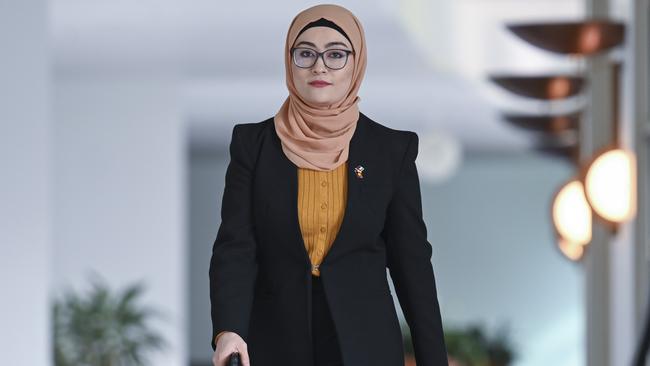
<point>319,66</point>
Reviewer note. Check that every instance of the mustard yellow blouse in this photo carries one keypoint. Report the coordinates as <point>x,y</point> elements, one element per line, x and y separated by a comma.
<point>322,196</point>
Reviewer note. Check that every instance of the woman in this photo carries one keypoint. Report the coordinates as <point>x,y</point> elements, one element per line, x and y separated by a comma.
<point>319,200</point>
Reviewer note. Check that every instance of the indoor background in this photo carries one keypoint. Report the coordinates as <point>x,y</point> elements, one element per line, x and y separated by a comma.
<point>117,115</point>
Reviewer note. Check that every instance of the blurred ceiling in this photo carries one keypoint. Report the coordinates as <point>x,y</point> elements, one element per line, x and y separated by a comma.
<point>428,61</point>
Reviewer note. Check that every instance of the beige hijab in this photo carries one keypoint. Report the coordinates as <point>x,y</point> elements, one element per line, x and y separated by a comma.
<point>312,137</point>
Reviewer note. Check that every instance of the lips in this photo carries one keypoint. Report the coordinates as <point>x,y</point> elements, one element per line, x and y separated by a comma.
<point>319,83</point>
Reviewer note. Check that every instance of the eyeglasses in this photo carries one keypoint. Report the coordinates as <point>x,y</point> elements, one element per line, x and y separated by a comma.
<point>334,59</point>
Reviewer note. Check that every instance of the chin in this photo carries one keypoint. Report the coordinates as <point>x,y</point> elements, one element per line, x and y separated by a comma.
<point>320,102</point>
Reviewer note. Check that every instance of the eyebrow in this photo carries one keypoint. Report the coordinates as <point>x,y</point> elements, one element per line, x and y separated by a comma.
<point>326,46</point>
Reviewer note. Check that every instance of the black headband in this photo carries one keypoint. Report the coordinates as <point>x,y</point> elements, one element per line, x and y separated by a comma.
<point>322,22</point>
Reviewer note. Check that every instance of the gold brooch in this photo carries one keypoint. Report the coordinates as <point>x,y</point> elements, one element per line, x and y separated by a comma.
<point>359,171</point>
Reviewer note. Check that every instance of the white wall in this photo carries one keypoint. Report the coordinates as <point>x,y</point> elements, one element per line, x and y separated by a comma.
<point>119,193</point>
<point>25,194</point>
<point>495,256</point>
<point>206,183</point>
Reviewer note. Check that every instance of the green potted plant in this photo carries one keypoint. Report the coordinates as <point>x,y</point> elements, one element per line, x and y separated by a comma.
<point>466,347</point>
<point>102,328</point>
<point>470,346</point>
<point>500,349</point>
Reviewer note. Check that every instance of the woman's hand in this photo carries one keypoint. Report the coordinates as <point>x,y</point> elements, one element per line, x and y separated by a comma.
<point>228,343</point>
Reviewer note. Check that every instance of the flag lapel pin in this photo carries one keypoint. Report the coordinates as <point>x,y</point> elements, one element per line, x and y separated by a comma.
<point>359,171</point>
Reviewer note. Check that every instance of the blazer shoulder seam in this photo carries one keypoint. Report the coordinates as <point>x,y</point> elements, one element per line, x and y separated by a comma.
<point>252,137</point>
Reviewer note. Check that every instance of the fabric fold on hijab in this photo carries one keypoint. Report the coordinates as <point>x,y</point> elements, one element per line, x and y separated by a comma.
<point>314,137</point>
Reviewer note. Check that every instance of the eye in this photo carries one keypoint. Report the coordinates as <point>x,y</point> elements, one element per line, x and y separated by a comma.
<point>306,53</point>
<point>336,54</point>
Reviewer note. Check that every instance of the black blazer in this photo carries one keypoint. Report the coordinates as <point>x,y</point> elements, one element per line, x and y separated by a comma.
<point>260,272</point>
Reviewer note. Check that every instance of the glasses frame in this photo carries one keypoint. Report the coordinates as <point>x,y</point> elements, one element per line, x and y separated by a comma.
<point>321,55</point>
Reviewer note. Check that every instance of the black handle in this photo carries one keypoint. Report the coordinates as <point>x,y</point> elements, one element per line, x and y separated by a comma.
<point>234,360</point>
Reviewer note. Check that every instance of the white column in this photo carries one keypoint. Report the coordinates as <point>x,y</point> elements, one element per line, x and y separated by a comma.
<point>639,14</point>
<point>25,195</point>
<point>616,264</point>
<point>595,132</point>
<point>120,193</point>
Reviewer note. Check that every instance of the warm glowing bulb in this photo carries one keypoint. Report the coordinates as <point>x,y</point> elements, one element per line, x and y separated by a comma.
<point>610,185</point>
<point>571,250</point>
<point>559,87</point>
<point>591,37</point>
<point>572,214</point>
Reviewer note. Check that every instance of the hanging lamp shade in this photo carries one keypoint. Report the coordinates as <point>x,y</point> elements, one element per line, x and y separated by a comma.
<point>546,87</point>
<point>564,146</point>
<point>548,123</point>
<point>572,38</point>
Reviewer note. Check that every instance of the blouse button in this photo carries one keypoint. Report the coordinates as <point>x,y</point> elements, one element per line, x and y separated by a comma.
<point>323,183</point>
<point>322,229</point>
<point>323,206</point>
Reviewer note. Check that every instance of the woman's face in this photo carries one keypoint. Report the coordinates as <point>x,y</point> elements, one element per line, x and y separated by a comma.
<point>321,39</point>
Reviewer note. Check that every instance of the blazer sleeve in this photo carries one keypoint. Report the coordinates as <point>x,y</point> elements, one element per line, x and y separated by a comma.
<point>409,263</point>
<point>233,265</point>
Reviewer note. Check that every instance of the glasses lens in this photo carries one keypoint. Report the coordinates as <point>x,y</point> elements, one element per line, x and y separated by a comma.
<point>335,59</point>
<point>304,57</point>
